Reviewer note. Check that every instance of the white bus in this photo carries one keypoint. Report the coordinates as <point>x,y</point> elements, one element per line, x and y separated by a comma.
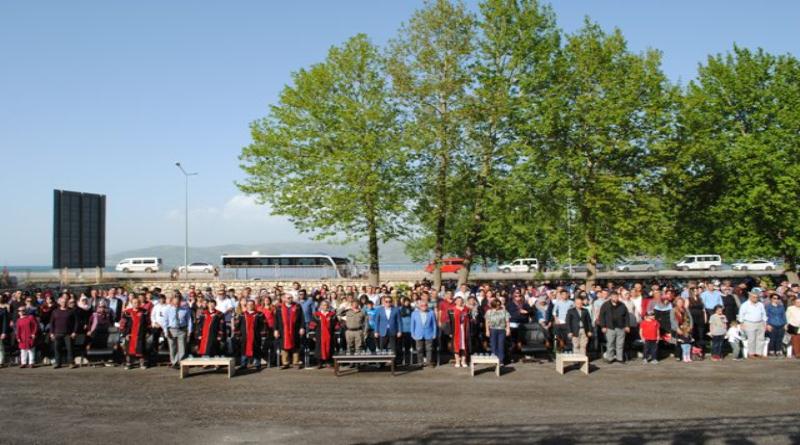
<point>277,267</point>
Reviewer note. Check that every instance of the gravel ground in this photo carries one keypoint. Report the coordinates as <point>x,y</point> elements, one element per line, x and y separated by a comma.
<point>703,402</point>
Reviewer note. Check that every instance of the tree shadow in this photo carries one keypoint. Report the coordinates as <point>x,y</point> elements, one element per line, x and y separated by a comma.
<point>693,431</point>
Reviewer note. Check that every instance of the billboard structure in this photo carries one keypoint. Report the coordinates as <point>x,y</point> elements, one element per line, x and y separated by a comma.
<point>79,230</point>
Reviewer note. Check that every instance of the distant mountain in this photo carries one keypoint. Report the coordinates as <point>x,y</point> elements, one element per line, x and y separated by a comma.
<point>392,252</point>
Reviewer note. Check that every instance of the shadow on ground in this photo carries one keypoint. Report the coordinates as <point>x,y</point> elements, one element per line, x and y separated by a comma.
<point>726,430</point>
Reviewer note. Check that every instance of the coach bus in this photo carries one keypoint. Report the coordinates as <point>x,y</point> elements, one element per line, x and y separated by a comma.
<point>278,267</point>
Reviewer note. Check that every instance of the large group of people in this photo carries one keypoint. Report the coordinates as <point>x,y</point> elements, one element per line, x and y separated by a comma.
<point>419,325</point>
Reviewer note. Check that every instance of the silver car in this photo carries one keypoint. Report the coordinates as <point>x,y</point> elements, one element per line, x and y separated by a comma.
<point>636,266</point>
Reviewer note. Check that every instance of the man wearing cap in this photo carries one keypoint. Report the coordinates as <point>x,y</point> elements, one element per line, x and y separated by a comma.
<point>753,318</point>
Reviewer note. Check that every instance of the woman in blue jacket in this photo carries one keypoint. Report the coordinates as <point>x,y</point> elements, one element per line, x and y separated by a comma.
<point>776,322</point>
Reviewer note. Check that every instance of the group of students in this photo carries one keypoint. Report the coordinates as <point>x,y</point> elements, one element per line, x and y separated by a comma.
<point>288,326</point>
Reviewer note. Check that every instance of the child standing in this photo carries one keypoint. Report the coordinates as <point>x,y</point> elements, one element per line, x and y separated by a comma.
<point>718,324</point>
<point>648,331</point>
<point>734,337</point>
<point>26,329</point>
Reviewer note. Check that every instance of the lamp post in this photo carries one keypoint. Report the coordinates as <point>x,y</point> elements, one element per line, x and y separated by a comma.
<point>186,233</point>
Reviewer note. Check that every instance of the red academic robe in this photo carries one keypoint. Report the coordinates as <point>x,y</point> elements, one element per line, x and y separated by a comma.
<point>288,322</point>
<point>460,324</point>
<point>249,328</point>
<point>212,329</point>
<point>135,323</point>
<point>326,328</point>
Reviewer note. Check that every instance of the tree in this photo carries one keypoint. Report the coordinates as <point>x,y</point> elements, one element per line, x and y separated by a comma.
<point>330,153</point>
<point>517,39</point>
<point>429,68</point>
<point>738,167</point>
<point>592,140</point>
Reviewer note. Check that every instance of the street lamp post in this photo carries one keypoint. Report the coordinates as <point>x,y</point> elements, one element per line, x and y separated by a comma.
<point>186,233</point>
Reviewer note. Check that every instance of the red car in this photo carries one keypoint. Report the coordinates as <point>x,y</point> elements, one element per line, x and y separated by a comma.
<point>449,265</point>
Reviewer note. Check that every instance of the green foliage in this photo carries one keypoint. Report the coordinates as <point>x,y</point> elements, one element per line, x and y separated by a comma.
<point>736,173</point>
<point>330,154</point>
<point>496,135</point>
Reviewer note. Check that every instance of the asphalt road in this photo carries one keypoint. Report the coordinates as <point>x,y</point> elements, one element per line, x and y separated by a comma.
<point>704,402</point>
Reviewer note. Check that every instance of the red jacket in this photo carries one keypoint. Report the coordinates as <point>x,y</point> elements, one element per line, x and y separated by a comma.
<point>649,329</point>
<point>27,329</point>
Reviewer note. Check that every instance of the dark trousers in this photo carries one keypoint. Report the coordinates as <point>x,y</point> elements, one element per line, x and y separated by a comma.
<point>775,339</point>
<point>405,345</point>
<point>66,340</point>
<point>561,331</point>
<point>388,342</point>
<point>716,345</point>
<point>425,350</point>
<point>155,336</point>
<point>651,350</point>
<point>497,343</point>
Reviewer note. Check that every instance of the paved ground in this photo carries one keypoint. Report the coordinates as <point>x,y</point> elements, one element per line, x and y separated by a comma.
<point>729,403</point>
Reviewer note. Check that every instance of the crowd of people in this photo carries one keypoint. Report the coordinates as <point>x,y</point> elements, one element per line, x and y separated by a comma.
<point>296,327</point>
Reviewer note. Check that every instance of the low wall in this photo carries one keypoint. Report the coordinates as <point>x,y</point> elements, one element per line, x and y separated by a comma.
<point>255,285</point>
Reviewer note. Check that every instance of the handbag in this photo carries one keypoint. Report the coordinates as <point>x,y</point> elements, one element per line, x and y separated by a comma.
<point>791,329</point>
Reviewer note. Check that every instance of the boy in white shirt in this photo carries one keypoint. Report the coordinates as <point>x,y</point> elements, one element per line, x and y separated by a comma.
<point>735,337</point>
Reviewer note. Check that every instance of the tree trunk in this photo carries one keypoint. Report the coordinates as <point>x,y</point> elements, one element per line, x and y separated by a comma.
<point>372,245</point>
<point>790,268</point>
<point>591,258</point>
<point>374,261</point>
<point>463,274</point>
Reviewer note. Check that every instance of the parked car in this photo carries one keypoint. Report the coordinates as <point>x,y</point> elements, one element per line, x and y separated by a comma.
<point>198,268</point>
<point>636,266</point>
<point>144,264</point>
<point>582,267</point>
<point>449,265</point>
<point>757,264</point>
<point>520,265</point>
<point>699,262</point>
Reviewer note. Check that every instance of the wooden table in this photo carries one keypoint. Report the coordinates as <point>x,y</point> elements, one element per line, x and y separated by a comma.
<point>484,359</point>
<point>362,359</point>
<point>562,359</point>
<point>207,361</point>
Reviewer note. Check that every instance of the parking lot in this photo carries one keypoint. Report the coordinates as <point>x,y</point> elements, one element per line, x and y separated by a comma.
<point>702,402</point>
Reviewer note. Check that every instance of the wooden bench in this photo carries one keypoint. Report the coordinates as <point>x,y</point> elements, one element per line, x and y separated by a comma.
<point>207,361</point>
<point>484,359</point>
<point>562,359</point>
<point>356,359</point>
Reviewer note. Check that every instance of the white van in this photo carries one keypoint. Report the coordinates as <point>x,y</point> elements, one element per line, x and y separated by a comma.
<point>520,265</point>
<point>699,262</point>
<point>145,264</point>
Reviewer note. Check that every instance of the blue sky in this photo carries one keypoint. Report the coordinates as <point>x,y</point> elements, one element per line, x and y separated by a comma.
<point>104,97</point>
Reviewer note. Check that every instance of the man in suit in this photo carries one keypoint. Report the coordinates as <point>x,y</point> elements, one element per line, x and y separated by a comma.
<point>423,331</point>
<point>387,325</point>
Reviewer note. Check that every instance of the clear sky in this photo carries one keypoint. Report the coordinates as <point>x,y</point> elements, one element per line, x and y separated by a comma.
<point>105,97</point>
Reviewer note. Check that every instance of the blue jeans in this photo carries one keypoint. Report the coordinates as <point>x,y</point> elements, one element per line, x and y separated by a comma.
<point>254,360</point>
<point>497,343</point>
<point>716,345</point>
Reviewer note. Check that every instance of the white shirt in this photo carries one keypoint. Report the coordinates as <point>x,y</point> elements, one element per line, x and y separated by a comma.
<point>388,311</point>
<point>157,317</point>
<point>225,305</point>
<point>750,312</point>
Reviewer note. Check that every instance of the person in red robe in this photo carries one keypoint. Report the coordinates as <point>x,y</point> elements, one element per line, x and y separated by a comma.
<point>461,336</point>
<point>211,330</point>
<point>289,331</point>
<point>134,325</point>
<point>268,346</point>
<point>27,328</point>
<point>249,327</point>
<point>325,320</point>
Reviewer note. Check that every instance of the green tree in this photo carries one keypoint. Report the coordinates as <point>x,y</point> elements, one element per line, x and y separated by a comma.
<point>330,153</point>
<point>736,173</point>
<point>429,68</point>
<point>592,143</point>
<point>517,39</point>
